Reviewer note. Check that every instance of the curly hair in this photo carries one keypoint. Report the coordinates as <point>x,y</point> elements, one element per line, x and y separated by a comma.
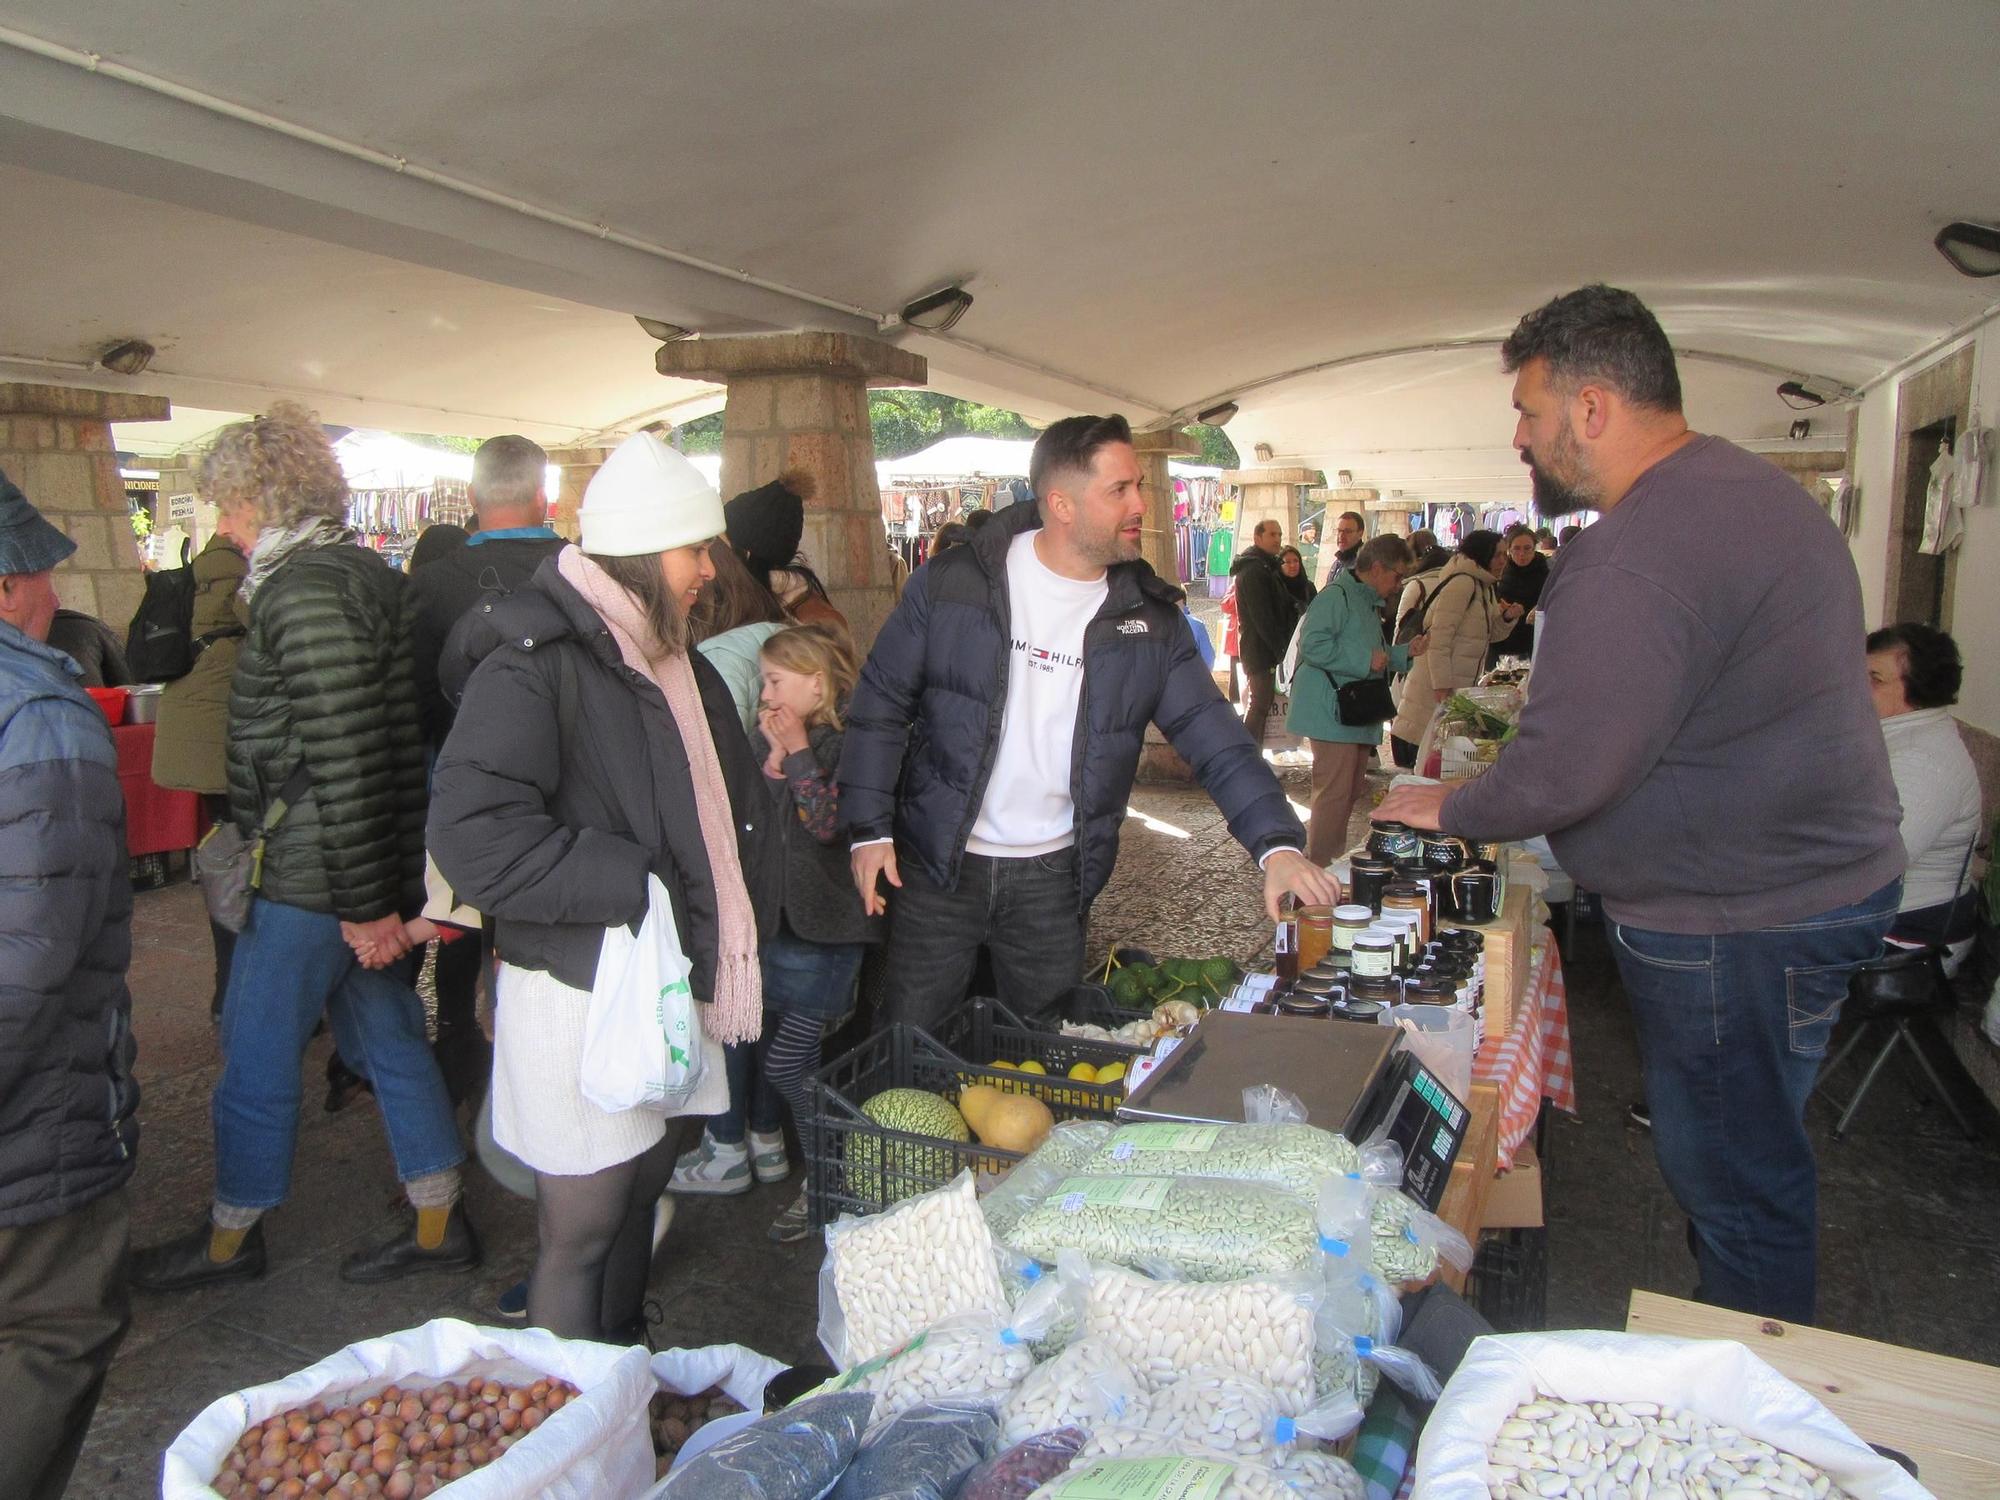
<point>280,465</point>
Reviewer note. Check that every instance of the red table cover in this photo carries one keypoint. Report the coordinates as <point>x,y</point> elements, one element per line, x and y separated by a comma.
<point>1531,1061</point>
<point>157,820</point>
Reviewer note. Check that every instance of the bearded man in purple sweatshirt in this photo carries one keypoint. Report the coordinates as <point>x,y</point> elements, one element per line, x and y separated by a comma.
<point>1699,747</point>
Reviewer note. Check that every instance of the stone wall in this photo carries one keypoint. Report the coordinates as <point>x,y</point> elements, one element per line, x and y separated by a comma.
<point>55,443</point>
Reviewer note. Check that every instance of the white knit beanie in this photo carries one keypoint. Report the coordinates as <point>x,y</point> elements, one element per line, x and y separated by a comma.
<point>647,498</point>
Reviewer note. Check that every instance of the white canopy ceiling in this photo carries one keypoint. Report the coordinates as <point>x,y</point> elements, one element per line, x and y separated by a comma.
<point>439,218</point>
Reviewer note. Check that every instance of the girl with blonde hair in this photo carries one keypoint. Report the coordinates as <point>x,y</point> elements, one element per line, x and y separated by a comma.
<point>810,962</point>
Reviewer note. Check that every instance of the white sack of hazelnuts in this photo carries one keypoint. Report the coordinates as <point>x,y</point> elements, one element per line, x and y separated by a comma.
<point>593,1443</point>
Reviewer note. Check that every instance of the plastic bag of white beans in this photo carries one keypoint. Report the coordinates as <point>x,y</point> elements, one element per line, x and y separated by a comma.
<point>1718,1393</point>
<point>889,1276</point>
<point>1084,1386</point>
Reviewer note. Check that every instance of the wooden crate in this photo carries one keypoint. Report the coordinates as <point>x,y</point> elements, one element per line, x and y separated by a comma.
<point>1510,956</point>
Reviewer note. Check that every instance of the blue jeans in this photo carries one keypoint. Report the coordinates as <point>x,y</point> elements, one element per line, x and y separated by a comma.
<point>1732,1029</point>
<point>290,965</point>
<point>803,981</point>
<point>1024,911</point>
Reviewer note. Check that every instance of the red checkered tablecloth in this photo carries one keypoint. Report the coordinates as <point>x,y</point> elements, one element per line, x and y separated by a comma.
<point>1531,1062</point>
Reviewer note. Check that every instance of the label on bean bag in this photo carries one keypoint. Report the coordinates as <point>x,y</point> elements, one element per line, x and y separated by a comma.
<point>1145,1479</point>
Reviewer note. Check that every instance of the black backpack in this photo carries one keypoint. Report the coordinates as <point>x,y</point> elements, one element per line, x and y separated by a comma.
<point>1411,625</point>
<point>159,646</point>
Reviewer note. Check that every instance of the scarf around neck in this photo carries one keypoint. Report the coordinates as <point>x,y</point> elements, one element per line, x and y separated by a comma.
<point>278,544</point>
<point>737,1011</point>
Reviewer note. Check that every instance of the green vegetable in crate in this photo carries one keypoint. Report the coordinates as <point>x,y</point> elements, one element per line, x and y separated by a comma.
<point>1128,987</point>
<point>1143,975</point>
<point>906,1169</point>
<point>1218,975</point>
<point>1184,971</point>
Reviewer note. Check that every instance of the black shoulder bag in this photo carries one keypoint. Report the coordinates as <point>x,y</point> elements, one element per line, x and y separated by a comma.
<point>1363,701</point>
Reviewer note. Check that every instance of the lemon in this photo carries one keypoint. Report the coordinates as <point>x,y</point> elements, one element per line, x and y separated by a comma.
<point>1111,1072</point>
<point>1083,1073</point>
<point>1031,1066</point>
<point>999,1063</point>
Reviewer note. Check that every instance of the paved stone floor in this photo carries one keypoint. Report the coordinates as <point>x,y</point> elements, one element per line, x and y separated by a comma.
<point>1908,1208</point>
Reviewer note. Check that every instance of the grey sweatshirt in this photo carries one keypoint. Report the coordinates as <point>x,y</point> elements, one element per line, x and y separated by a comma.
<point>1699,744</point>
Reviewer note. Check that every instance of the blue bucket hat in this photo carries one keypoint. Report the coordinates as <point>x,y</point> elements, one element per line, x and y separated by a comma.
<point>28,544</point>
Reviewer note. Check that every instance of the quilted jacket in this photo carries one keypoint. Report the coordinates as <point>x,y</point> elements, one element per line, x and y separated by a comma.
<point>325,679</point>
<point>68,1105</point>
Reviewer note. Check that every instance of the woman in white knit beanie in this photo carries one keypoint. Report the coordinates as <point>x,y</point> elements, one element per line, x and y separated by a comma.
<point>591,750</point>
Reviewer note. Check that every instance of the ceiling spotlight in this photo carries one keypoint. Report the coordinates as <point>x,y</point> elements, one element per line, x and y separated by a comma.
<point>1972,249</point>
<point>1265,452</point>
<point>666,333</point>
<point>1808,391</point>
<point>1217,416</point>
<point>940,311</point>
<point>1800,430</point>
<point>128,358</point>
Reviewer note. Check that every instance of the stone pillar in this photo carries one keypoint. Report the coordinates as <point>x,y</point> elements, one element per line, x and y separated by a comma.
<point>1155,450</point>
<point>1269,495</point>
<point>800,401</point>
<point>1335,499</point>
<point>1397,515</point>
<point>579,466</point>
<point>55,443</point>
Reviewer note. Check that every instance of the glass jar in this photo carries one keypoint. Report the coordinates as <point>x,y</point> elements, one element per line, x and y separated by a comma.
<point>1395,842</point>
<point>1430,989</point>
<point>1374,956</point>
<point>1285,945</point>
<point>1405,895</point>
<point>1366,875</point>
<point>1315,934</point>
<point>1377,992</point>
<point>1349,922</point>
<point>1312,1007</point>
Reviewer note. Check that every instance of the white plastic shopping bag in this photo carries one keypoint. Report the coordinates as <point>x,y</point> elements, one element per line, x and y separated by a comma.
<point>1716,1378</point>
<point>599,1444</point>
<point>641,1035</point>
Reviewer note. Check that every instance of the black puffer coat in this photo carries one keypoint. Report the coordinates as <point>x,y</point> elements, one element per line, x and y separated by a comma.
<point>324,679</point>
<point>564,781</point>
<point>924,726</point>
<point>68,1105</point>
<point>1265,612</point>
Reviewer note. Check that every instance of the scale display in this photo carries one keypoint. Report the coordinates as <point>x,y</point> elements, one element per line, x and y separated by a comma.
<point>1428,1122</point>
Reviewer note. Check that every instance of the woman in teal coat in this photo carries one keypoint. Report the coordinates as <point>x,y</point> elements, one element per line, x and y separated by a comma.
<point>1341,642</point>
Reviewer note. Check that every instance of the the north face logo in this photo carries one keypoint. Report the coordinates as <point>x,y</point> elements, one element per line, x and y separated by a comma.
<point>1134,627</point>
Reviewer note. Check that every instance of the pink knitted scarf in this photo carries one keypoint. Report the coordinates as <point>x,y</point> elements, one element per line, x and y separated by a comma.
<point>737,1011</point>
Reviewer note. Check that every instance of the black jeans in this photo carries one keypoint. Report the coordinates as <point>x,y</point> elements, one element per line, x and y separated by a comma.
<point>1025,911</point>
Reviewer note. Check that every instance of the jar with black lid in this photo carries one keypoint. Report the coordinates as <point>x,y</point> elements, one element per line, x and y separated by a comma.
<point>1374,991</point>
<point>1314,1007</point>
<point>1374,956</point>
<point>1318,989</point>
<point>1430,989</point>
<point>1396,842</point>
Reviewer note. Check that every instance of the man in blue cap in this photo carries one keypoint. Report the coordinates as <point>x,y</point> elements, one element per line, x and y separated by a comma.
<point>68,1105</point>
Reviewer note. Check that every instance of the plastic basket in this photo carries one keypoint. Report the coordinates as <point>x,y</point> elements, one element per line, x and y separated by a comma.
<point>861,1167</point>
<point>1509,1280</point>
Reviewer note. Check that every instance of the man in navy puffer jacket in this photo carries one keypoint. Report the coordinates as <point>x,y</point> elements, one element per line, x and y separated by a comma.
<point>68,1105</point>
<point>994,737</point>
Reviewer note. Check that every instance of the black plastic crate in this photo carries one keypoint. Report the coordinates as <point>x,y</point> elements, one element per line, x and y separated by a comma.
<point>1509,1280</point>
<point>860,1167</point>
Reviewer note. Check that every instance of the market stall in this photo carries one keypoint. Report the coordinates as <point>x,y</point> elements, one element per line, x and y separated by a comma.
<point>1189,1232</point>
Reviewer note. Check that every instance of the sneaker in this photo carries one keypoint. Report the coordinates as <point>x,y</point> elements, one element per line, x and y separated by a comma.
<point>511,1306</point>
<point>712,1168</point>
<point>794,1224</point>
<point>767,1156</point>
<point>1640,1114</point>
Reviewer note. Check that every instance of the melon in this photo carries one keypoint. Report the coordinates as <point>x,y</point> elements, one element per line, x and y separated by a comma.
<point>1016,1122</point>
<point>902,1169</point>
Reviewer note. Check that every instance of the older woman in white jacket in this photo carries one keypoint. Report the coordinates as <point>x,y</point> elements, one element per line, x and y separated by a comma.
<point>1914,672</point>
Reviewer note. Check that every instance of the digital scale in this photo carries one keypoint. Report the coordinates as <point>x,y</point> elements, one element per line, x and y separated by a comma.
<point>1352,1078</point>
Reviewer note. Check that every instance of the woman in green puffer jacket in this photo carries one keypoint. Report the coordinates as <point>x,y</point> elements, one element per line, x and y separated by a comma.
<point>323,723</point>
<point>1340,641</point>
